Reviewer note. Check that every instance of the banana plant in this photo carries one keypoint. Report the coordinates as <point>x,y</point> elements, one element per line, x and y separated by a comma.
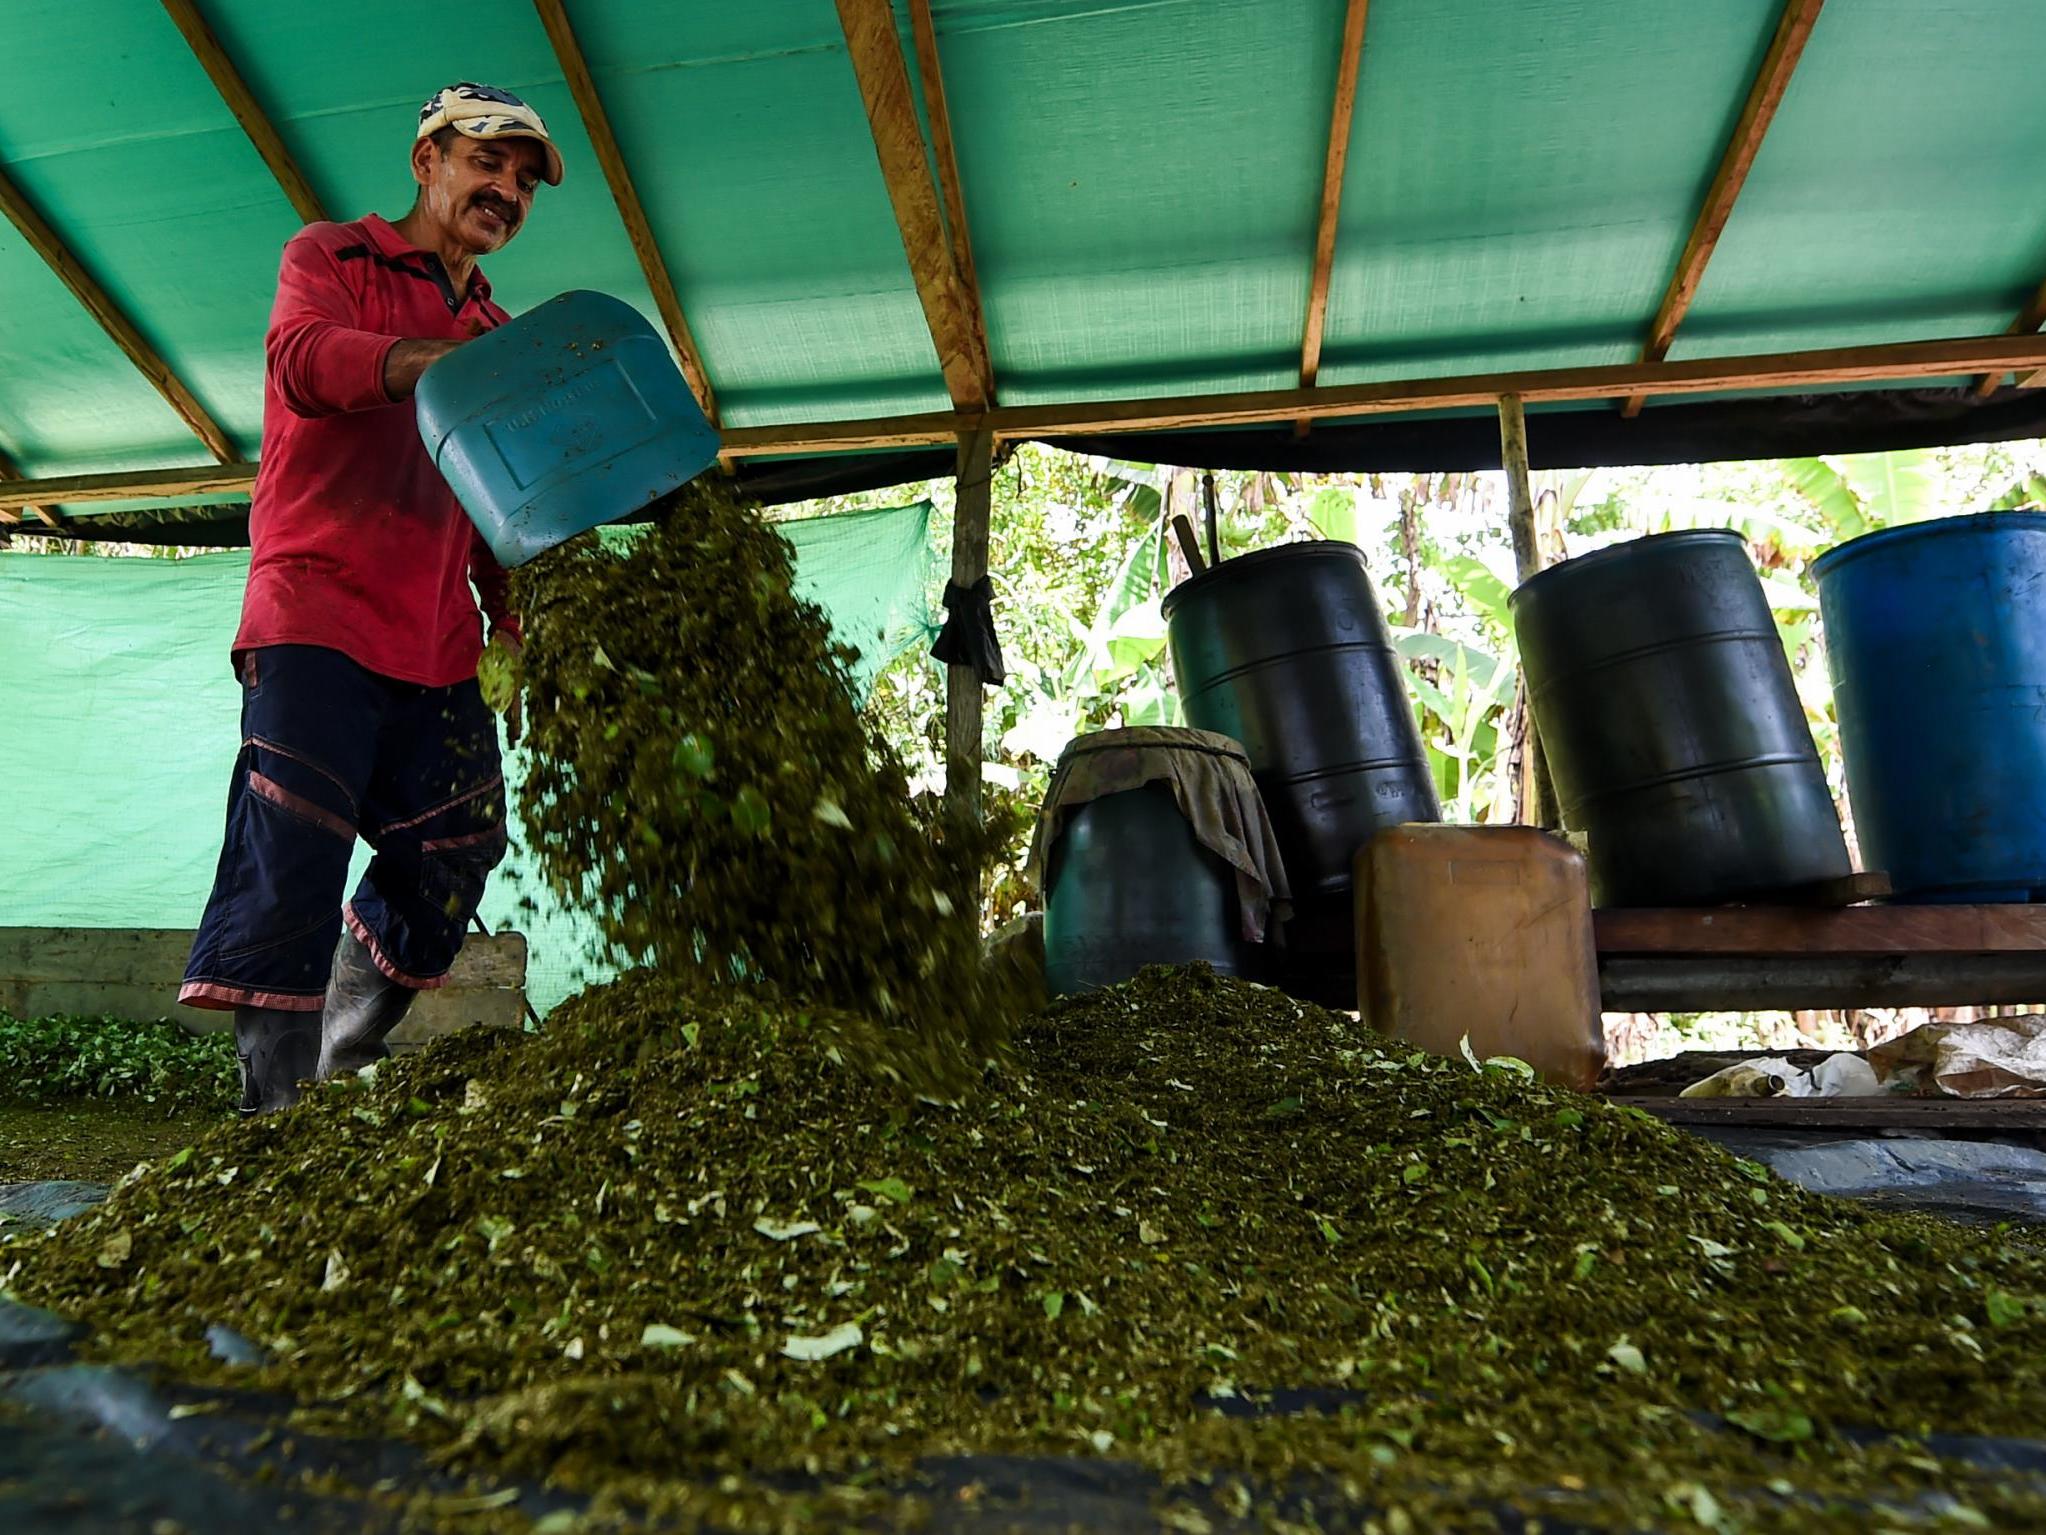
<point>1859,492</point>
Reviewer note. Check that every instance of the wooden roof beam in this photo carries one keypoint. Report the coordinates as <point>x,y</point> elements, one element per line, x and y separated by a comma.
<point>597,123</point>
<point>2029,319</point>
<point>241,101</point>
<point>932,78</point>
<point>43,240</point>
<point>128,484</point>
<point>957,330</point>
<point>1793,31</point>
<point>1333,164</point>
<point>1787,372</point>
<point>11,516</point>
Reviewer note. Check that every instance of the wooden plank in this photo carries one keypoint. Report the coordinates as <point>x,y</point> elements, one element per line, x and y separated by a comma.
<point>2029,319</point>
<point>955,324</point>
<point>241,101</point>
<point>1847,890</point>
<point>1781,371</point>
<point>47,515</point>
<point>1874,930</point>
<point>2018,1115</point>
<point>130,484</point>
<point>1697,983</point>
<point>435,1013</point>
<point>1786,371</point>
<point>112,319</point>
<point>964,722</point>
<point>1765,95</point>
<point>1349,64</point>
<point>931,76</point>
<point>135,972</point>
<point>597,122</point>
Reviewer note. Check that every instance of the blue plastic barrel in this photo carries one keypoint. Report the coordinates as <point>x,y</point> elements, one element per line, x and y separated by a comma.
<point>1936,637</point>
<point>572,415</point>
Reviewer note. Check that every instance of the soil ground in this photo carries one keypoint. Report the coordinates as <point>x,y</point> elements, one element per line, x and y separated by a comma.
<point>94,1140</point>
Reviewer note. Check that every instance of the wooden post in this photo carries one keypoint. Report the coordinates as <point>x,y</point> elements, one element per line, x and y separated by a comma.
<point>1536,793</point>
<point>969,563</point>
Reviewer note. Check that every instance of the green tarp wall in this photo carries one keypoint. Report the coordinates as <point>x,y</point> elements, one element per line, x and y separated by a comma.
<point>119,725</point>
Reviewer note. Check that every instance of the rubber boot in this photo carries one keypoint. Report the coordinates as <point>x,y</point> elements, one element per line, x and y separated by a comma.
<point>363,1005</point>
<point>277,1050</point>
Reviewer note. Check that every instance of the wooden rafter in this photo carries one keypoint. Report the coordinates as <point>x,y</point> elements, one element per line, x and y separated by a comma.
<point>86,289</point>
<point>954,319</point>
<point>11,516</point>
<point>2029,319</point>
<point>127,484</point>
<point>597,122</point>
<point>1793,31</point>
<point>1332,190</point>
<point>1785,372</point>
<point>932,77</point>
<point>241,101</point>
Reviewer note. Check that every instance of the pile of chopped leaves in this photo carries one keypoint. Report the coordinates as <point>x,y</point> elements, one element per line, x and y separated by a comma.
<point>751,1235</point>
<point>703,780</point>
<point>678,1247</point>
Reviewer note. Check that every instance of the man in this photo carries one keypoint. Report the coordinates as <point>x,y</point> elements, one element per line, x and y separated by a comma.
<point>359,638</point>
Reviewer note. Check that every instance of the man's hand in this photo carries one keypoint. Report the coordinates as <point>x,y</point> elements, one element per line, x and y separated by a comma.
<point>404,363</point>
<point>497,675</point>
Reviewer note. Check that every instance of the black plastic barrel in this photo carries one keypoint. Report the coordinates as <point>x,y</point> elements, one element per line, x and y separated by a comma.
<point>1128,885</point>
<point>1286,650</point>
<point>1672,725</point>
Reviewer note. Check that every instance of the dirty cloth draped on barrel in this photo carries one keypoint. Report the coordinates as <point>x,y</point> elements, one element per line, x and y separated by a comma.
<point>1210,779</point>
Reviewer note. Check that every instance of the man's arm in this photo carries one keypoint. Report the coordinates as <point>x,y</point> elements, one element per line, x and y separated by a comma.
<point>404,363</point>
<point>321,359</point>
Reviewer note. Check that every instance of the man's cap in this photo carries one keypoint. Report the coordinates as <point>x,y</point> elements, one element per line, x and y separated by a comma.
<point>485,112</point>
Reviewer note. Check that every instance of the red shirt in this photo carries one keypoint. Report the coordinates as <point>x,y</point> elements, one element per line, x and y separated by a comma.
<point>357,543</point>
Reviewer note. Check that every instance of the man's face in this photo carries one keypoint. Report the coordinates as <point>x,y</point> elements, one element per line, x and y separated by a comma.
<point>479,191</point>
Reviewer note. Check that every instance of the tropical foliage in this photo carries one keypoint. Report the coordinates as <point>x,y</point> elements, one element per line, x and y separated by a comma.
<point>1083,554</point>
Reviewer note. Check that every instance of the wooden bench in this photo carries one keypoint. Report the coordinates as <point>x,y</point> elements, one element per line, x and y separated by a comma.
<point>1737,958</point>
<point>133,972</point>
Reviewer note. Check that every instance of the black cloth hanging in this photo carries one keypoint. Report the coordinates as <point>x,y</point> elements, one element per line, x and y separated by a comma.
<point>968,638</point>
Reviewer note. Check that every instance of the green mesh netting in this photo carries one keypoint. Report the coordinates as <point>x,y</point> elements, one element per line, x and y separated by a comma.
<point>118,726</point>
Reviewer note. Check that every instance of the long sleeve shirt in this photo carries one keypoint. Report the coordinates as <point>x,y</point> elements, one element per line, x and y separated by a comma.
<point>357,543</point>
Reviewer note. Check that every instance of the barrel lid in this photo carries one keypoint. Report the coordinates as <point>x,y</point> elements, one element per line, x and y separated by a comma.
<point>1259,562</point>
<point>1976,524</point>
<point>547,344</point>
<point>1542,581</point>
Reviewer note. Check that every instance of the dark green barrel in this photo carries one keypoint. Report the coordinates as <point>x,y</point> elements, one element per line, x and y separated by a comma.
<point>1128,885</point>
<point>1672,725</point>
<point>1286,650</point>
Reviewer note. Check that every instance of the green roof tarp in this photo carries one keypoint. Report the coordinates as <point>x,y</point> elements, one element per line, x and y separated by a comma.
<point>1141,178</point>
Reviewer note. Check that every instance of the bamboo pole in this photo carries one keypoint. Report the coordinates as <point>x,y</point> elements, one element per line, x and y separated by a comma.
<point>963,700</point>
<point>1535,792</point>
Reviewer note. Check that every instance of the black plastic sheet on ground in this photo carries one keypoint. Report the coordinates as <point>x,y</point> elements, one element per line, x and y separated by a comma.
<point>107,1449</point>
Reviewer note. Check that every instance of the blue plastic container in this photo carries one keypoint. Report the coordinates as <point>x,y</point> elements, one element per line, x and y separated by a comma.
<point>1936,636</point>
<point>572,415</point>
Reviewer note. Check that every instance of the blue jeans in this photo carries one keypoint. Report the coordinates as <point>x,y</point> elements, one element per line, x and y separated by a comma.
<point>331,752</point>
